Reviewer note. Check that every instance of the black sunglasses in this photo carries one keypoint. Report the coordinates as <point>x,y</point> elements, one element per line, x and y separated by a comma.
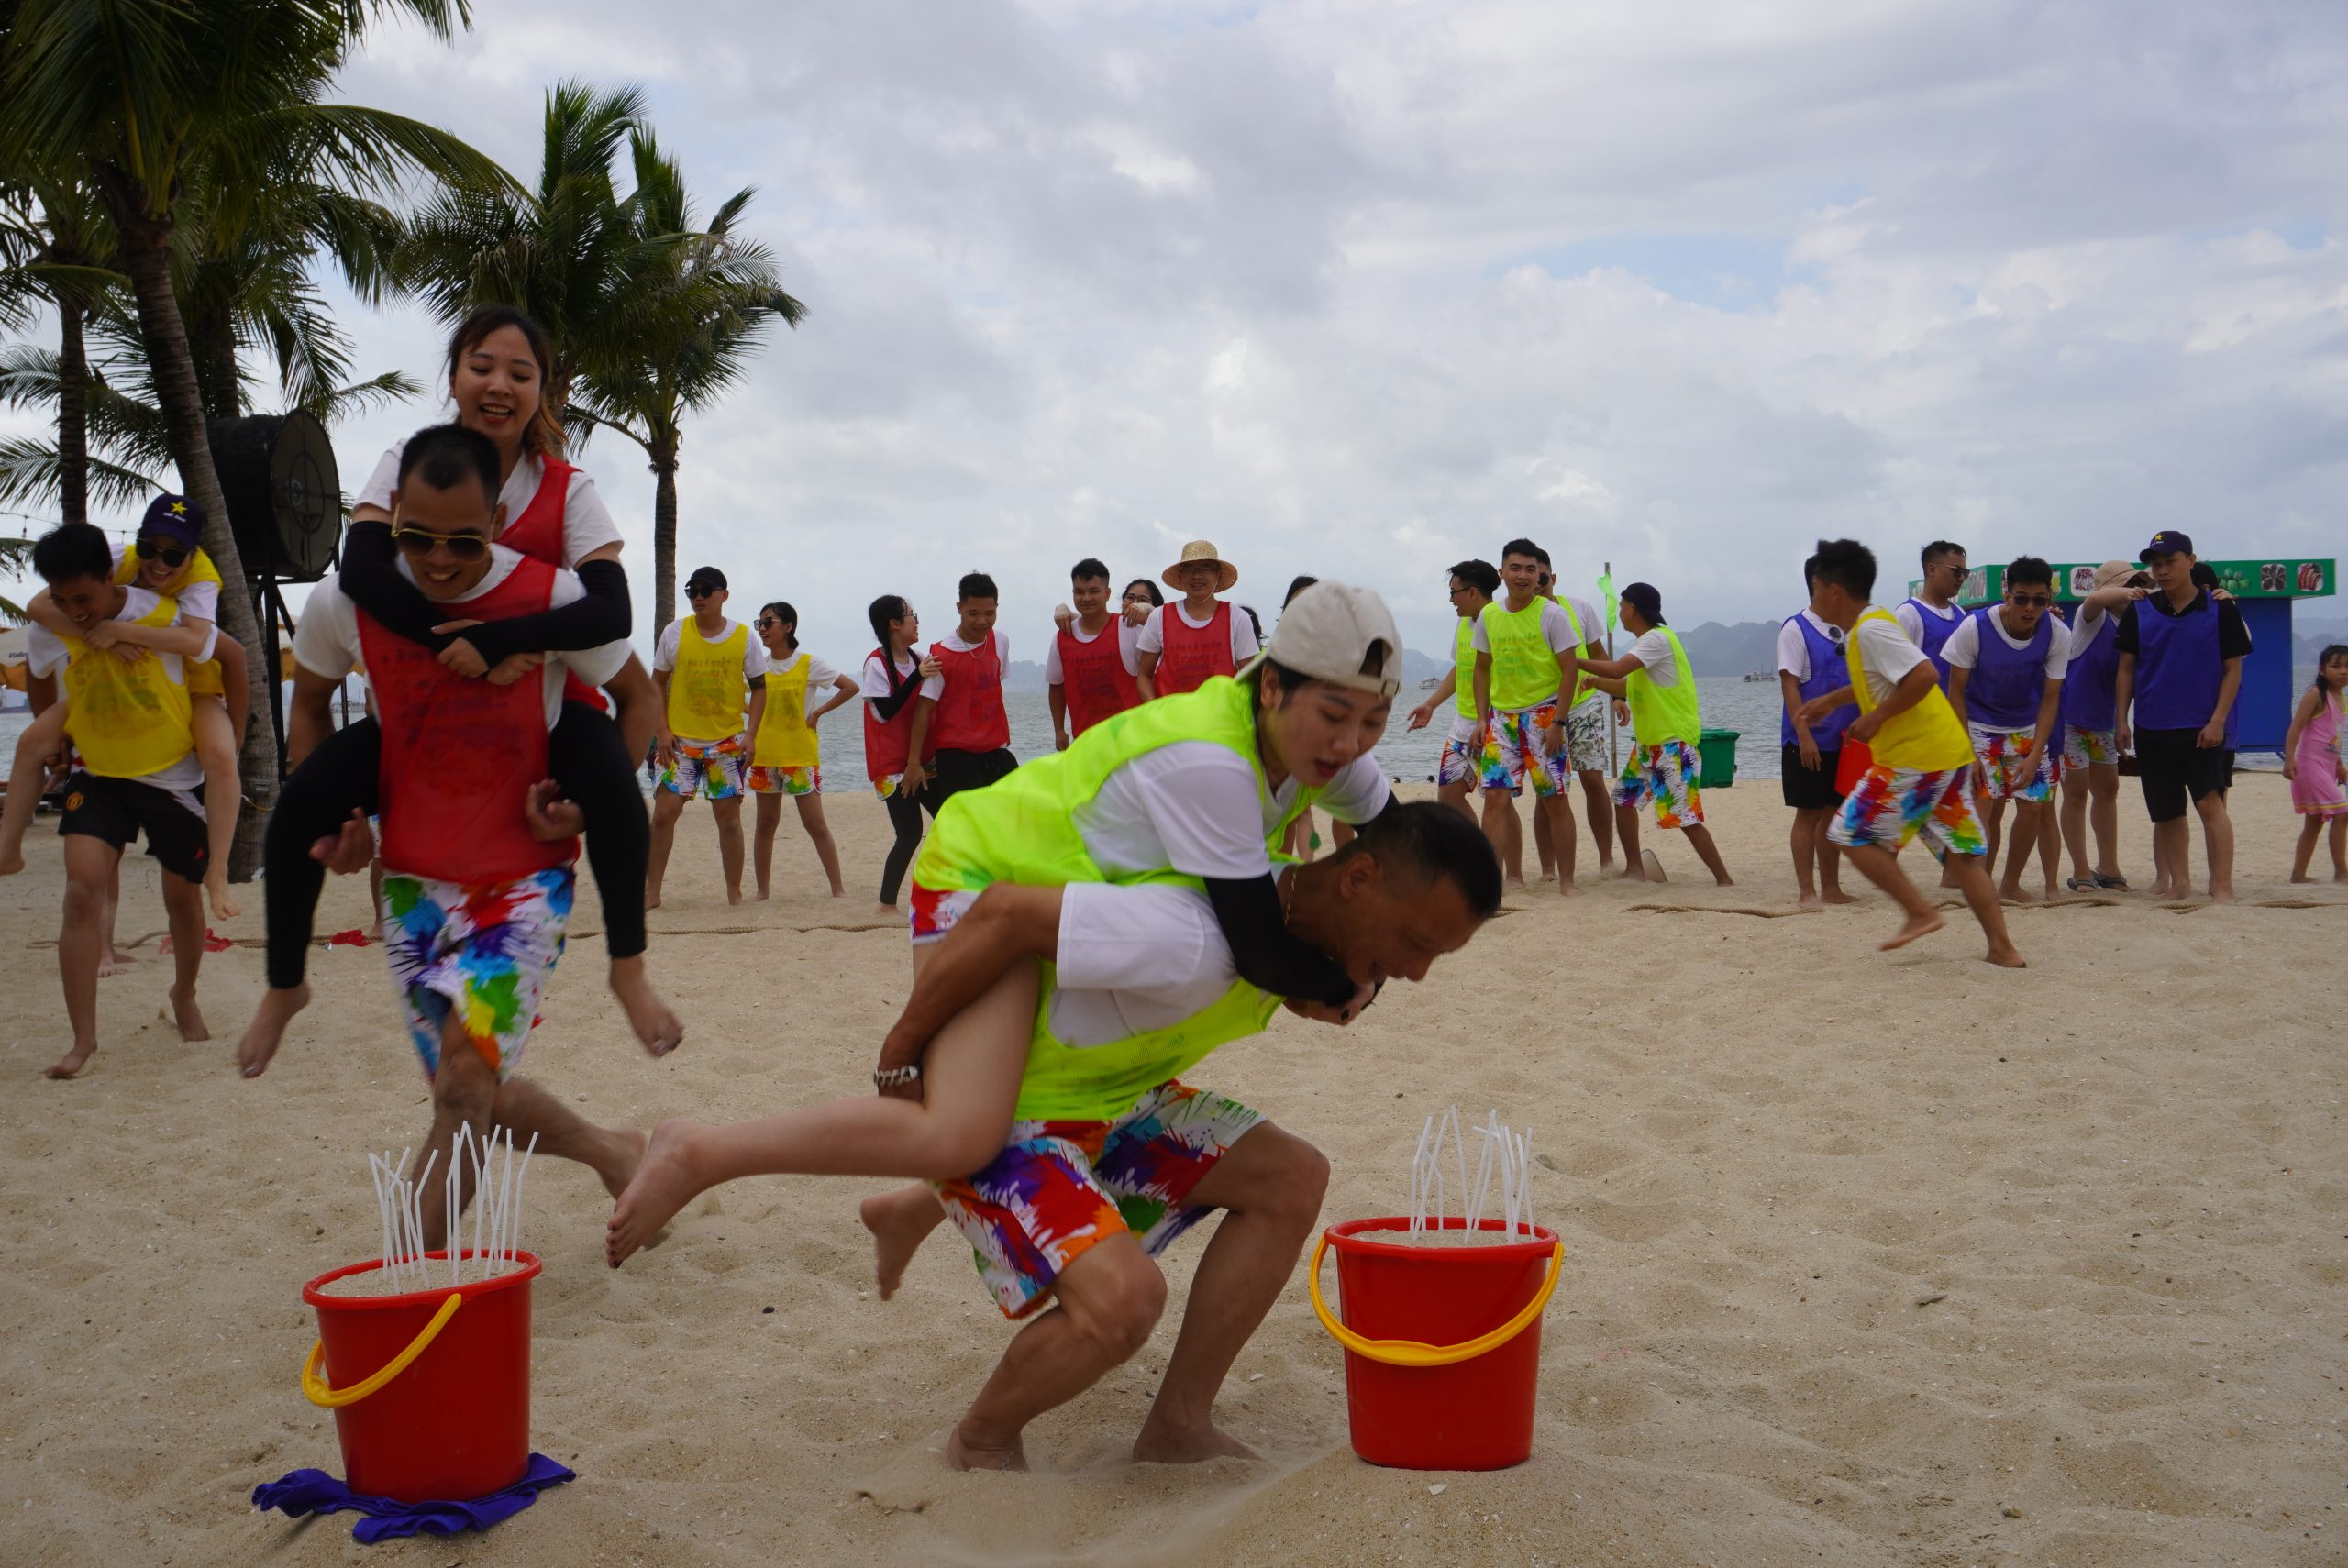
<point>691,592</point>
<point>464,547</point>
<point>163,550</point>
<point>2030,601</point>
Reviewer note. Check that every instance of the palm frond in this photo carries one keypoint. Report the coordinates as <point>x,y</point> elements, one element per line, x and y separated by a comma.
<point>30,472</point>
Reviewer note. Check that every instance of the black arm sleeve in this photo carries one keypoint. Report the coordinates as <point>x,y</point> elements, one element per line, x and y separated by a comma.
<point>1265,952</point>
<point>900,693</point>
<point>605,615</point>
<point>370,576</point>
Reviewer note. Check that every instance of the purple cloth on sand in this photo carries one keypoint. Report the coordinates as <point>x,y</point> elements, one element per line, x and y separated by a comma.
<point>316,1492</point>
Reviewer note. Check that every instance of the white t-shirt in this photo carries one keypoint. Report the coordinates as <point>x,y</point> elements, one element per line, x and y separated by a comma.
<point>45,655</point>
<point>754,652</point>
<point>1136,959</point>
<point>820,676</point>
<point>1913,623</point>
<point>874,685</point>
<point>1555,629</point>
<point>1194,807</point>
<point>1153,632</point>
<point>587,524</point>
<point>198,601</point>
<point>1964,644</point>
<point>1793,648</point>
<point>1653,650</point>
<point>1887,651</point>
<point>1128,644</point>
<point>326,643</point>
<point>952,641</point>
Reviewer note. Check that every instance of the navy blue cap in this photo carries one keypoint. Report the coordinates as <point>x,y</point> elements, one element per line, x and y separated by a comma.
<point>173,517</point>
<point>1643,598</point>
<point>2168,541</point>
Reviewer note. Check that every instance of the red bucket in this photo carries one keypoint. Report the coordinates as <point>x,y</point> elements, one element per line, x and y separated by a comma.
<point>1443,1344</point>
<point>431,1401</point>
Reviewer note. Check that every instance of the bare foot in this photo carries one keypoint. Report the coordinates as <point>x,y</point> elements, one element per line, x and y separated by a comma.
<point>887,912</point>
<point>72,1062</point>
<point>1918,925</point>
<point>267,1031</point>
<point>656,1025</point>
<point>2296,879</point>
<point>2017,895</point>
<point>760,896</point>
<point>1837,896</point>
<point>1160,1445</point>
<point>2218,896</point>
<point>1514,885</point>
<point>115,962</point>
<point>963,1453</point>
<point>651,898</point>
<point>11,863</point>
<point>1809,901</point>
<point>216,893</point>
<point>666,1179</point>
<point>622,1158</point>
<point>1567,890</point>
<point>897,1229</point>
<point>2007,957</point>
<point>185,1016</point>
<point>733,895</point>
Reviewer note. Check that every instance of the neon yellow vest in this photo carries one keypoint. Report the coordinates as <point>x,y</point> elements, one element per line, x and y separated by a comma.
<point>785,738</point>
<point>1660,714</point>
<point>1927,738</point>
<point>1463,668</point>
<point>707,691</point>
<point>1582,688</point>
<point>202,680</point>
<point>1524,671</point>
<point>130,720</point>
<point>1023,828</point>
<point>1097,1083</point>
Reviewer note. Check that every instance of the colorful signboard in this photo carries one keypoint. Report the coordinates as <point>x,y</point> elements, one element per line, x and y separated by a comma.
<point>2243,580</point>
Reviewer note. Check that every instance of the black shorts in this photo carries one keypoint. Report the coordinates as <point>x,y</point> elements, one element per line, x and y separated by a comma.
<point>115,809</point>
<point>958,770</point>
<point>2175,771</point>
<point>1809,789</point>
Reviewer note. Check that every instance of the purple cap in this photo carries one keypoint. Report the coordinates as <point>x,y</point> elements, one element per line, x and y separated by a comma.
<point>173,517</point>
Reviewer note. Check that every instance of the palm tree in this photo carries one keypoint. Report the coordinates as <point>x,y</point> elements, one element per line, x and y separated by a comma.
<point>565,249</point>
<point>14,554</point>
<point>712,298</point>
<point>54,244</point>
<point>151,98</point>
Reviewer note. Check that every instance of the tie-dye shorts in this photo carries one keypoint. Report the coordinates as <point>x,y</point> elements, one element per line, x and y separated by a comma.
<point>1666,773</point>
<point>764,780</point>
<point>1061,1187</point>
<point>486,951</point>
<point>1463,753</point>
<point>1516,743</point>
<point>711,767</point>
<point>2083,747</point>
<point>2010,769</point>
<point>1890,806</point>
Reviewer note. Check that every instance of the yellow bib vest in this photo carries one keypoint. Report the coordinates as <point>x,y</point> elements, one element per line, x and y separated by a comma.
<point>707,691</point>
<point>1463,668</point>
<point>130,720</point>
<point>1582,688</point>
<point>1023,829</point>
<point>1524,671</point>
<point>785,739</point>
<point>202,680</point>
<point>1660,714</point>
<point>1926,738</point>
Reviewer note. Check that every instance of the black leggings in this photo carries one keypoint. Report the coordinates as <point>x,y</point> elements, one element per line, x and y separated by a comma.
<point>584,754</point>
<point>904,816</point>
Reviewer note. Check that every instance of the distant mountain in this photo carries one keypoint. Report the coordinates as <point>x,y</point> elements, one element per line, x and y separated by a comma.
<point>1715,649</point>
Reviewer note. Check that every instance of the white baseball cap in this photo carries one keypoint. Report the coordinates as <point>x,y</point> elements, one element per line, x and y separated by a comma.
<point>1340,634</point>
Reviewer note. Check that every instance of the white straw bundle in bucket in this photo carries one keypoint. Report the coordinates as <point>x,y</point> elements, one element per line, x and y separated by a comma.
<point>483,1166</point>
<point>1504,1158</point>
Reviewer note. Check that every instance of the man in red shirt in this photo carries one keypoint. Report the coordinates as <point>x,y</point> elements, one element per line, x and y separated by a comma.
<point>1198,636</point>
<point>1089,670</point>
<point>960,708</point>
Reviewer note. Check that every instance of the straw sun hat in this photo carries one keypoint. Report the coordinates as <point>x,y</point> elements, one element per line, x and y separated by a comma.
<point>1201,551</point>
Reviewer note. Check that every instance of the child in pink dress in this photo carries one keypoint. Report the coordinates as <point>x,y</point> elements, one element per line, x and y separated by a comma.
<point>2312,762</point>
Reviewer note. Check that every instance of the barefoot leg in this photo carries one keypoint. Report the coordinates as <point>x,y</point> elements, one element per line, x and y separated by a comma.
<point>223,799</point>
<point>183,902</point>
<point>657,1027</point>
<point>267,1031</point>
<point>613,1153</point>
<point>88,862</point>
<point>898,1221</point>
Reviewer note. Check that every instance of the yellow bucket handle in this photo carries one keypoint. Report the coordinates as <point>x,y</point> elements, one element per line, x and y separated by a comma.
<point>1416,1353</point>
<point>326,1398</point>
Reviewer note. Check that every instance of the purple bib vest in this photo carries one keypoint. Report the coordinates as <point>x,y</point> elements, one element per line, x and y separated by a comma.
<point>2088,695</point>
<point>1934,635</point>
<point>1828,670</point>
<point>2003,690</point>
<point>2177,666</point>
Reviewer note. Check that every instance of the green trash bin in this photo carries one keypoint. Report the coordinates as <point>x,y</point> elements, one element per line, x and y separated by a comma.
<point>1717,751</point>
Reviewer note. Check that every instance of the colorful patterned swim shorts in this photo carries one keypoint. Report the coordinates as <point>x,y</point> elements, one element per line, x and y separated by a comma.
<point>1514,744</point>
<point>1890,806</point>
<point>1666,773</point>
<point>2081,747</point>
<point>1586,735</point>
<point>710,768</point>
<point>936,910</point>
<point>2010,769</point>
<point>486,951</point>
<point>761,780</point>
<point>1059,1187</point>
<point>1463,749</point>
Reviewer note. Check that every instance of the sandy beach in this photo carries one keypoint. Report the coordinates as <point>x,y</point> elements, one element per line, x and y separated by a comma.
<point>1871,1258</point>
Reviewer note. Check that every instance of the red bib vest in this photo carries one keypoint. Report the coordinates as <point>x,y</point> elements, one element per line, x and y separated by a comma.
<point>537,534</point>
<point>886,747</point>
<point>969,715</point>
<point>460,754</point>
<point>1194,653</point>
<point>1093,678</point>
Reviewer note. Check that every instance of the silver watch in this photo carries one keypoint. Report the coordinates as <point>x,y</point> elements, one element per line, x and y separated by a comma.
<point>895,1078</point>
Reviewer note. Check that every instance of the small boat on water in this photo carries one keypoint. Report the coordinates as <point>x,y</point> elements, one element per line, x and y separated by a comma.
<point>1756,677</point>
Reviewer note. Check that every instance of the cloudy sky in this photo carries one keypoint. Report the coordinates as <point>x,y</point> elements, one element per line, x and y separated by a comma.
<point>1359,289</point>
